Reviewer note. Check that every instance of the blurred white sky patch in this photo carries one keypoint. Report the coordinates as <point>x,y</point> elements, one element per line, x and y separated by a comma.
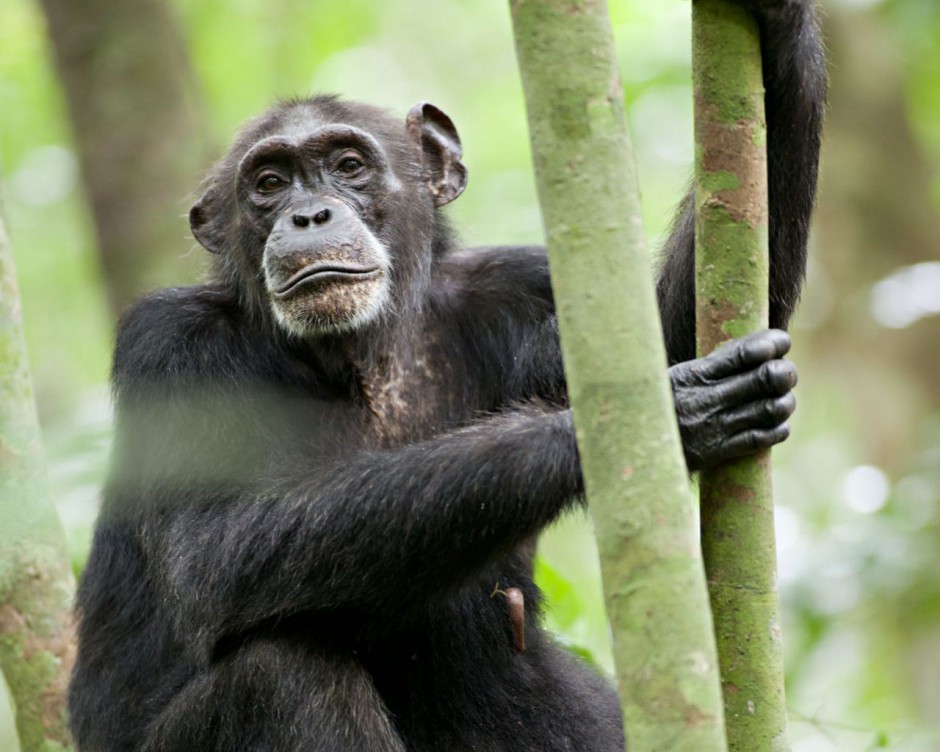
<point>908,295</point>
<point>865,489</point>
<point>353,72</point>
<point>786,528</point>
<point>45,176</point>
<point>916,503</point>
<point>857,4</point>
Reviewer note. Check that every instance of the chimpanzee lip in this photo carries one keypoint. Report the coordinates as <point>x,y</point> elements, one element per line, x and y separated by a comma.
<point>322,272</point>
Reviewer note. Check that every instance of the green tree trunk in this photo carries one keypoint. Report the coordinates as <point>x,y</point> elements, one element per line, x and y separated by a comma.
<point>731,299</point>
<point>137,117</point>
<point>611,336</point>
<point>36,586</point>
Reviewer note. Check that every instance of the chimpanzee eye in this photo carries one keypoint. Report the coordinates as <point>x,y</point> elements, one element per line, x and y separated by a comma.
<point>350,166</point>
<point>269,183</point>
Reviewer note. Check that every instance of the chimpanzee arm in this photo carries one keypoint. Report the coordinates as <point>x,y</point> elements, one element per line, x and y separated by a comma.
<point>795,82</point>
<point>373,532</point>
<point>731,403</point>
<point>242,520</point>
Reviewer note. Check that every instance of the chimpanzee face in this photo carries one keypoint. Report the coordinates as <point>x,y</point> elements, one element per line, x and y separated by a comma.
<point>316,199</point>
<point>326,210</point>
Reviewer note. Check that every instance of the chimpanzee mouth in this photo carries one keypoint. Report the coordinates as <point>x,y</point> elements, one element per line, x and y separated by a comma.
<point>319,273</point>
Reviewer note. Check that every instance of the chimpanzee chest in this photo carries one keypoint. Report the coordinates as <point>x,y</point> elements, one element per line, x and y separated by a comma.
<point>417,394</point>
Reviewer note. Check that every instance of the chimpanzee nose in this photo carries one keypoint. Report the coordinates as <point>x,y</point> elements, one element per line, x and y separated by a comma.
<point>319,218</point>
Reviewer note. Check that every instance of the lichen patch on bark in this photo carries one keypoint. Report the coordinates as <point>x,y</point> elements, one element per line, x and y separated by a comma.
<point>37,647</point>
<point>731,300</point>
<point>733,150</point>
<point>712,317</point>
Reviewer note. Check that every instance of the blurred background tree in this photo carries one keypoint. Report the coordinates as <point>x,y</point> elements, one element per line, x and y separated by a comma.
<point>138,131</point>
<point>858,485</point>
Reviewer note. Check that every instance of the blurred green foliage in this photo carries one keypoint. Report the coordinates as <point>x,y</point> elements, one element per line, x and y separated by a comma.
<point>858,527</point>
<point>917,23</point>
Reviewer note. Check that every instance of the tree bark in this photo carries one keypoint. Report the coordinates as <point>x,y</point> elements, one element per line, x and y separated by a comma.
<point>615,362</point>
<point>131,97</point>
<point>731,300</point>
<point>36,586</point>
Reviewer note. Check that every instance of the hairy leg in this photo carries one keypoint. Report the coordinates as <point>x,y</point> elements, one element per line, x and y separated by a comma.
<point>276,696</point>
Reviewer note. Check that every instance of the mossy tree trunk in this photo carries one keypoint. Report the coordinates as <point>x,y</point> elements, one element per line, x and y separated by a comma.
<point>615,361</point>
<point>731,300</point>
<point>36,640</point>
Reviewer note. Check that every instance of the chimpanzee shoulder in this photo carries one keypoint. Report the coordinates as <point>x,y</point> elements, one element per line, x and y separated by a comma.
<point>175,331</point>
<point>514,276</point>
<point>177,337</point>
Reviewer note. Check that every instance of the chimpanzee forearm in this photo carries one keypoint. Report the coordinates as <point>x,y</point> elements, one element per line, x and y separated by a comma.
<point>795,83</point>
<point>443,508</point>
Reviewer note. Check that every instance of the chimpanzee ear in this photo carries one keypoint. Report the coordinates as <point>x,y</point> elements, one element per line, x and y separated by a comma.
<point>204,222</point>
<point>435,133</point>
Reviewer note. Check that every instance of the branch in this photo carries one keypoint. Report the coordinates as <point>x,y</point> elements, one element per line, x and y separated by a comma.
<point>36,640</point>
<point>731,300</point>
<point>615,361</point>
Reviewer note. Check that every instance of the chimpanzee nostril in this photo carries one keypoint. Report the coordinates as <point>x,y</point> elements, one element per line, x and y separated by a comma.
<point>322,217</point>
<point>301,220</point>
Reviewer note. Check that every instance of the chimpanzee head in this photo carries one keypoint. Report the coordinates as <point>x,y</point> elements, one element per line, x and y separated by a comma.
<point>323,212</point>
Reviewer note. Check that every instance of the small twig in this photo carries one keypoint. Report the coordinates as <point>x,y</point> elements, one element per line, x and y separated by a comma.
<point>515,602</point>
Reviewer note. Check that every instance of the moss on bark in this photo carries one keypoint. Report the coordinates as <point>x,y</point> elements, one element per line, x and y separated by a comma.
<point>612,342</point>
<point>731,300</point>
<point>36,643</point>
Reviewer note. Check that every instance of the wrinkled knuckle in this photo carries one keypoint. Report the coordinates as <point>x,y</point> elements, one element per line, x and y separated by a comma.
<point>725,354</point>
<point>725,348</point>
<point>767,376</point>
<point>694,425</point>
<point>776,376</point>
<point>780,341</point>
<point>756,339</point>
<point>773,411</point>
<point>756,440</point>
<point>683,374</point>
<point>765,345</point>
<point>784,372</point>
<point>699,371</point>
<point>740,355</point>
<point>792,373</point>
<point>752,440</point>
<point>690,374</point>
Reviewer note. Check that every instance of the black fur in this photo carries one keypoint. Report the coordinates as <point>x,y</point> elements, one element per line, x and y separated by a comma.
<point>304,538</point>
<point>795,82</point>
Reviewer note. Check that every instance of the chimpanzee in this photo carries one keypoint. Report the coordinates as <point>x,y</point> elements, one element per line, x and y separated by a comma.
<point>332,460</point>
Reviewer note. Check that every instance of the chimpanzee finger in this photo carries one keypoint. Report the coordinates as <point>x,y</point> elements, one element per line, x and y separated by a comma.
<point>766,413</point>
<point>744,354</point>
<point>753,440</point>
<point>772,379</point>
